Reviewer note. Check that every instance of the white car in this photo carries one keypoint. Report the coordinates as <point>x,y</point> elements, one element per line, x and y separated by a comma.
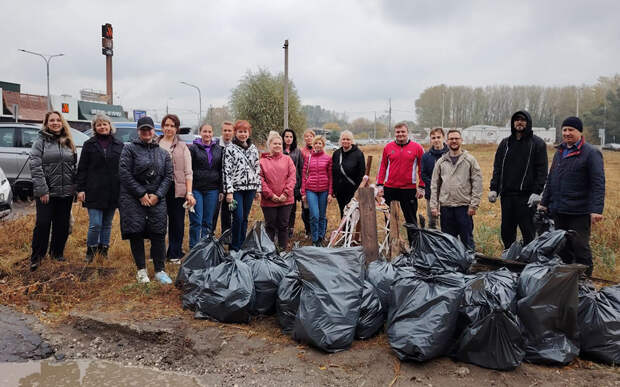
<point>6,195</point>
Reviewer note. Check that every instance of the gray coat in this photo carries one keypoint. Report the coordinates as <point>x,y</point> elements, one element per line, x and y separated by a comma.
<point>143,168</point>
<point>52,166</point>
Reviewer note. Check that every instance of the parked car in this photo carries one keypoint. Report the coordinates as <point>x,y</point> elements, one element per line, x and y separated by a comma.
<point>612,146</point>
<point>15,143</point>
<point>6,195</point>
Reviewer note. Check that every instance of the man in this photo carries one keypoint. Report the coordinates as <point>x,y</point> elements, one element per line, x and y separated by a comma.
<point>519,174</point>
<point>456,187</point>
<point>430,157</point>
<point>575,191</point>
<point>224,141</point>
<point>400,174</point>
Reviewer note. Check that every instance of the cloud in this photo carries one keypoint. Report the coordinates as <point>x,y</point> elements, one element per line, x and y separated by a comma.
<point>344,55</point>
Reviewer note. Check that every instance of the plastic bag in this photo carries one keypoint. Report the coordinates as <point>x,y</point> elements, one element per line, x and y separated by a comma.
<point>287,303</point>
<point>331,296</point>
<point>599,323</point>
<point>381,274</point>
<point>422,319</point>
<point>257,240</point>
<point>547,308</point>
<point>544,248</point>
<point>438,251</point>
<point>268,270</point>
<point>492,335</point>
<point>372,315</point>
<point>227,294</point>
<point>513,251</point>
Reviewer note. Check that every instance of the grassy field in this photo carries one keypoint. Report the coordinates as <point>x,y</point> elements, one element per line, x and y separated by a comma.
<point>110,284</point>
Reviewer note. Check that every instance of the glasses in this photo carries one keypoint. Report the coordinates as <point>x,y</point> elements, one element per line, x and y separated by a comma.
<point>455,139</point>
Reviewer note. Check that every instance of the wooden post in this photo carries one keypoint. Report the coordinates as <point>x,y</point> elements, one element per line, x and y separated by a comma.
<point>368,165</point>
<point>394,236</point>
<point>368,223</point>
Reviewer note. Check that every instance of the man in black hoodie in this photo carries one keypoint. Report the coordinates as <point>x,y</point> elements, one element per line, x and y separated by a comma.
<point>519,175</point>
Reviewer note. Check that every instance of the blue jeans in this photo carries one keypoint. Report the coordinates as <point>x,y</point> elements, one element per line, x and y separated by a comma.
<point>201,220</point>
<point>99,226</point>
<point>240,217</point>
<point>317,204</point>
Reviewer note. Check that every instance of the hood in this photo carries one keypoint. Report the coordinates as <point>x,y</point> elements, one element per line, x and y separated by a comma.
<point>152,144</point>
<point>439,152</point>
<point>240,145</point>
<point>353,149</point>
<point>528,128</point>
<point>198,141</point>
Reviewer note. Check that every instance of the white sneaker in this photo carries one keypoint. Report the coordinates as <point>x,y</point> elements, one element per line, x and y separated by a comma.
<point>142,276</point>
<point>162,277</point>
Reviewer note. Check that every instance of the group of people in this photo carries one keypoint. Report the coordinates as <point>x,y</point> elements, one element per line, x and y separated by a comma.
<point>153,180</point>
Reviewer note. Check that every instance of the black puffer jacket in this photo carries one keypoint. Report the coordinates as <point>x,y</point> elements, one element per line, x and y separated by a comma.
<point>520,166</point>
<point>298,160</point>
<point>52,166</point>
<point>206,177</point>
<point>143,168</point>
<point>98,173</point>
<point>354,165</point>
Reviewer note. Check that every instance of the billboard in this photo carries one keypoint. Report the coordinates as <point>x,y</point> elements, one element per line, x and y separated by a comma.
<point>137,114</point>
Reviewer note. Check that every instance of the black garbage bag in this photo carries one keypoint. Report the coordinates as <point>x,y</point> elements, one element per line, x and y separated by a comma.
<point>268,270</point>
<point>513,251</point>
<point>599,323</point>
<point>208,252</point>
<point>381,274</point>
<point>372,315</point>
<point>257,240</point>
<point>422,319</point>
<point>287,303</point>
<point>438,251</point>
<point>544,248</point>
<point>331,296</point>
<point>547,308</point>
<point>492,335</point>
<point>227,294</point>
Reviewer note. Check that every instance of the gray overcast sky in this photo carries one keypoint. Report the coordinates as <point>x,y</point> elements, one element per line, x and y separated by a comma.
<point>344,55</point>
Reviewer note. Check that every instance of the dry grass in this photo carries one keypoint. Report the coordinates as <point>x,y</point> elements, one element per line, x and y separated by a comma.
<point>110,285</point>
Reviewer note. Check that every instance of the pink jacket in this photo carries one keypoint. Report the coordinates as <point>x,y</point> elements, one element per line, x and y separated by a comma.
<point>317,176</point>
<point>278,175</point>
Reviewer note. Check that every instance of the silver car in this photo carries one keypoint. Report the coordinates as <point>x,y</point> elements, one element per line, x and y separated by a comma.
<point>15,143</point>
<point>6,195</point>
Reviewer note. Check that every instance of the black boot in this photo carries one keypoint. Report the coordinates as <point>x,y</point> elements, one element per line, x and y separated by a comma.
<point>58,258</point>
<point>90,253</point>
<point>34,263</point>
<point>103,250</point>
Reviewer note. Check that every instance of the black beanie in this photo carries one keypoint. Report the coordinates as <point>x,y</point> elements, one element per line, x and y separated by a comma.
<point>573,122</point>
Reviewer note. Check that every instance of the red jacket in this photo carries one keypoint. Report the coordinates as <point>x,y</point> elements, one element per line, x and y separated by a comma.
<point>278,175</point>
<point>401,166</point>
<point>317,173</point>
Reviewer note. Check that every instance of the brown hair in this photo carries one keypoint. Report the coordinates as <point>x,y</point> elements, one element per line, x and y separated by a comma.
<point>437,129</point>
<point>401,124</point>
<point>455,131</point>
<point>65,134</point>
<point>175,121</point>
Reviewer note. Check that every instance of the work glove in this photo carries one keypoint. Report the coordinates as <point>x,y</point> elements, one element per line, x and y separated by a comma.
<point>533,200</point>
<point>492,196</point>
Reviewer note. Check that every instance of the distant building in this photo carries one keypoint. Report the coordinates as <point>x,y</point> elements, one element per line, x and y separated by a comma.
<point>488,134</point>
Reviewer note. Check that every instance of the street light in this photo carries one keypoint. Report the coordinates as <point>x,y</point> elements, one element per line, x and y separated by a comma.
<point>47,59</point>
<point>199,99</point>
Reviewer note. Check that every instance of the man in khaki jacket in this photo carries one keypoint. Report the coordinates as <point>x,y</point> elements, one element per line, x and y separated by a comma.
<point>456,188</point>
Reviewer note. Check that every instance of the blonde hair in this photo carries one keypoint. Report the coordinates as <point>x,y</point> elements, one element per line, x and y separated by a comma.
<point>317,139</point>
<point>309,131</point>
<point>65,136</point>
<point>346,133</point>
<point>103,118</point>
<point>273,135</point>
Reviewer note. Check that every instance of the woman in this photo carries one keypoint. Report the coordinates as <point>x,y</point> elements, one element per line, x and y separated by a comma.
<point>290,148</point>
<point>207,184</point>
<point>278,177</point>
<point>181,189</point>
<point>52,167</point>
<point>348,169</point>
<point>309,135</point>
<point>146,174</point>
<point>316,188</point>
<point>242,177</point>
<point>98,185</point>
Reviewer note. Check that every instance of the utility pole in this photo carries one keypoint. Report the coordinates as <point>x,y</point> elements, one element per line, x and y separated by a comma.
<point>285,84</point>
<point>578,96</point>
<point>47,59</point>
<point>375,133</point>
<point>443,104</point>
<point>199,99</point>
<point>389,115</point>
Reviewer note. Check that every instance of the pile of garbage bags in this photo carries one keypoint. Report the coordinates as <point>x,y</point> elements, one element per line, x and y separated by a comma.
<point>426,300</point>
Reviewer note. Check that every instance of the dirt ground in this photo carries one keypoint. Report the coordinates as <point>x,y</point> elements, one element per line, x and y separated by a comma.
<point>257,354</point>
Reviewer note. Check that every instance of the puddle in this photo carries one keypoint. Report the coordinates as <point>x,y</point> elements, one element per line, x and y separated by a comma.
<point>87,373</point>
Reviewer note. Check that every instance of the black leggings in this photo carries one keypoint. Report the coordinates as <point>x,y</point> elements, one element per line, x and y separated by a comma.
<point>158,249</point>
<point>55,215</point>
